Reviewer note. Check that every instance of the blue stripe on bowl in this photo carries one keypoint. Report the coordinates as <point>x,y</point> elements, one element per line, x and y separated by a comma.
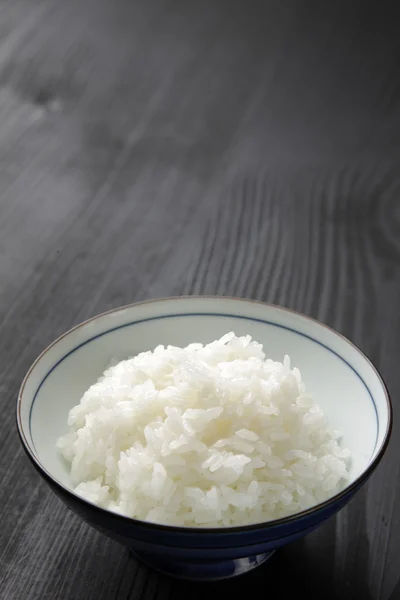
<point>180,315</point>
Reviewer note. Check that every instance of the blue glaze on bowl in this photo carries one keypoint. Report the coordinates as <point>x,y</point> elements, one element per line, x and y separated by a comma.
<point>190,553</point>
<point>205,570</point>
<point>56,381</point>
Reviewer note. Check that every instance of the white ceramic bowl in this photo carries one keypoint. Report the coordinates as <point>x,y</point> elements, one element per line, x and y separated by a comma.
<point>338,375</point>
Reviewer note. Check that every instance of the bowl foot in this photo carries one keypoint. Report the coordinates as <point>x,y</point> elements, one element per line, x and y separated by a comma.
<point>203,570</point>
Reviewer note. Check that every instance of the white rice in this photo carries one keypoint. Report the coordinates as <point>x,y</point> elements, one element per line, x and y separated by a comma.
<point>208,436</point>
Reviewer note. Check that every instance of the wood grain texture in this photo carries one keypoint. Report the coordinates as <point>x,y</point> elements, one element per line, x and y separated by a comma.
<point>159,147</point>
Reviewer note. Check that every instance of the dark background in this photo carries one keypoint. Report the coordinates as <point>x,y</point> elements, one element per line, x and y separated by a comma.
<point>161,147</point>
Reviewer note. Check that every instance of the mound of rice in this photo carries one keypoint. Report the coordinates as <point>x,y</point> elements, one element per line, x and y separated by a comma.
<point>212,435</point>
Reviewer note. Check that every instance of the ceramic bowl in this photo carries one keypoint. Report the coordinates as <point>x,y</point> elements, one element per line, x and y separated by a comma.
<point>338,375</point>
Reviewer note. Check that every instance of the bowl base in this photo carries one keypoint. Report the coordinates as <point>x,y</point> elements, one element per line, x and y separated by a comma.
<point>203,570</point>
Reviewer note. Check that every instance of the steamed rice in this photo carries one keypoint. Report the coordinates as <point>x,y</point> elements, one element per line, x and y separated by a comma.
<point>207,435</point>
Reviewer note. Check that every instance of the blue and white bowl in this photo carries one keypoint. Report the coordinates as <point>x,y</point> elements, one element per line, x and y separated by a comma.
<point>338,375</point>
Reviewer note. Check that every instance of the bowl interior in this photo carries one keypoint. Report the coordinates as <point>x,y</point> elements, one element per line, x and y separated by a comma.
<point>337,374</point>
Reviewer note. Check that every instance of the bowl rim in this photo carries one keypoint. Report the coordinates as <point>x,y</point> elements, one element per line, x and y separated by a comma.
<point>184,529</point>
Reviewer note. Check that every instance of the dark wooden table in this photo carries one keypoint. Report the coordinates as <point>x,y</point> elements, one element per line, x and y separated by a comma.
<point>161,147</point>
